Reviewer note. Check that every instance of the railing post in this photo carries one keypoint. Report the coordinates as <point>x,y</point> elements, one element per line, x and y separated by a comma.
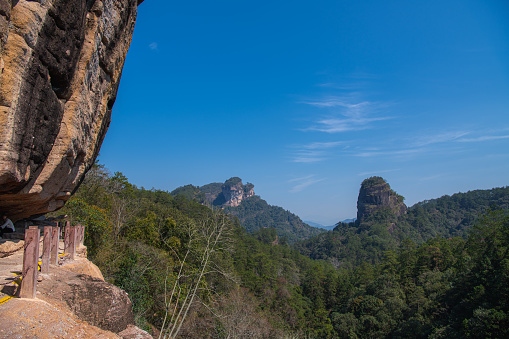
<point>78,236</point>
<point>46,249</point>
<point>55,240</point>
<point>30,264</point>
<point>72,242</point>
<point>82,238</point>
<point>67,237</point>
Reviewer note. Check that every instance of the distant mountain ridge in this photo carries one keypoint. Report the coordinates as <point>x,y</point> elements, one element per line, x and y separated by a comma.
<point>315,224</point>
<point>384,223</point>
<point>253,212</point>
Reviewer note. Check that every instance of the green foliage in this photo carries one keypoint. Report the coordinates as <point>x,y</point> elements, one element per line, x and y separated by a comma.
<point>190,192</point>
<point>98,227</point>
<point>254,214</point>
<point>232,181</point>
<point>452,216</point>
<point>373,181</point>
<point>389,277</point>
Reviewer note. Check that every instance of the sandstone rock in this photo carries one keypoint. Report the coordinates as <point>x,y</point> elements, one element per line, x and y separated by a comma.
<point>32,318</point>
<point>83,266</point>
<point>133,332</point>
<point>234,192</point>
<point>60,67</point>
<point>92,300</point>
<point>10,246</point>
<point>231,193</point>
<point>376,193</point>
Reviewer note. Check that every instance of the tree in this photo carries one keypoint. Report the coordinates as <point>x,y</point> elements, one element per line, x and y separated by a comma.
<point>205,242</point>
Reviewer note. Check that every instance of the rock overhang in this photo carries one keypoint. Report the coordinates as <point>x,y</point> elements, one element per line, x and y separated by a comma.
<point>60,67</point>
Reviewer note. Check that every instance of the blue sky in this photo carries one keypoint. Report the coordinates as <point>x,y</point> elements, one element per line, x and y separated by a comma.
<point>305,99</point>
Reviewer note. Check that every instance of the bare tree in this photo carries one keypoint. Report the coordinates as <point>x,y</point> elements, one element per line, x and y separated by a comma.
<point>122,210</point>
<point>212,236</point>
<point>239,316</point>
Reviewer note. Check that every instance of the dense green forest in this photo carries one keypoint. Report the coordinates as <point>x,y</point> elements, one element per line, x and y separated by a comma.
<point>255,213</point>
<point>351,244</point>
<point>194,272</point>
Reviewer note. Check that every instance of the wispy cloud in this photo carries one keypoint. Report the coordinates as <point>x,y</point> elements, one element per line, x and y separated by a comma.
<point>484,138</point>
<point>314,152</point>
<point>439,138</point>
<point>308,156</point>
<point>337,125</point>
<point>347,114</point>
<point>323,145</point>
<point>339,102</point>
<point>153,46</point>
<point>402,152</point>
<point>421,144</point>
<point>303,182</point>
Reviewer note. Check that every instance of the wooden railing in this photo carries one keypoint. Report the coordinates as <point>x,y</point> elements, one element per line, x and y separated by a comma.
<point>73,239</point>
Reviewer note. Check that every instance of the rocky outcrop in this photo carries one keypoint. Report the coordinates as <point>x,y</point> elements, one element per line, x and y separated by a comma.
<point>60,67</point>
<point>374,194</point>
<point>133,332</point>
<point>34,318</point>
<point>229,194</point>
<point>70,303</point>
<point>83,266</point>
<point>91,299</point>
<point>234,191</point>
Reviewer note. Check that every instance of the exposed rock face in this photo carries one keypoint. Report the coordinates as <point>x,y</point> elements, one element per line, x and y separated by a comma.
<point>83,266</point>
<point>234,191</point>
<point>231,193</point>
<point>97,302</point>
<point>376,193</point>
<point>60,67</point>
<point>33,318</point>
<point>133,332</point>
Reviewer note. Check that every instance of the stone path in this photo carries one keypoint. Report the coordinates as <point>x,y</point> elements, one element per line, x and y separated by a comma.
<point>11,266</point>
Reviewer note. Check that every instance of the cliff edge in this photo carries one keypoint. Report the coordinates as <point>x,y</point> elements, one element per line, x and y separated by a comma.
<point>231,193</point>
<point>72,301</point>
<point>60,67</point>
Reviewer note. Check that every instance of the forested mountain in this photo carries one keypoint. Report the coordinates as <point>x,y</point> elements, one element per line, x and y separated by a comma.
<point>454,215</point>
<point>384,222</point>
<point>253,212</point>
<point>193,272</point>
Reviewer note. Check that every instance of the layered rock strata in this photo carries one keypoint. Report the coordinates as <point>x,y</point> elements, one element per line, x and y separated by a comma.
<point>60,67</point>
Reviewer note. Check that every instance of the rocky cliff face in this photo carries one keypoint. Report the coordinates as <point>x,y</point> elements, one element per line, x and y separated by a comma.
<point>234,191</point>
<point>231,193</point>
<point>375,193</point>
<point>60,67</point>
